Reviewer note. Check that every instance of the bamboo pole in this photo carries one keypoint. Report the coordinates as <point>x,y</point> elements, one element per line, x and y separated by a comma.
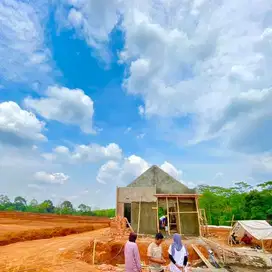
<point>168,219</point>
<point>157,215</point>
<point>117,201</point>
<point>94,251</point>
<point>130,227</point>
<point>198,219</point>
<point>229,238</point>
<point>263,245</point>
<point>179,216</point>
<point>139,215</point>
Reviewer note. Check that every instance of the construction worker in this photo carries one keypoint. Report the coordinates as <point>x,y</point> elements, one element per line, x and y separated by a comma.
<point>154,253</point>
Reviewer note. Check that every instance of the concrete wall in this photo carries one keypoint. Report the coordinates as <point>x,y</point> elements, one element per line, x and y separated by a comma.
<point>120,209</point>
<point>189,221</point>
<point>148,217</point>
<point>134,194</point>
<point>165,184</point>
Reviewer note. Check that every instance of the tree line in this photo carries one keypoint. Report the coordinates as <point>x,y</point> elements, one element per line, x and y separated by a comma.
<point>47,206</point>
<point>242,201</point>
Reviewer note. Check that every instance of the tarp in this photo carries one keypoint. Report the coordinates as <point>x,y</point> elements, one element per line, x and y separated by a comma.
<point>259,229</point>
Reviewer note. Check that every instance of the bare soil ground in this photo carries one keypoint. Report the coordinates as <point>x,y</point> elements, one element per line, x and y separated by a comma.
<point>16,226</point>
<point>73,253</point>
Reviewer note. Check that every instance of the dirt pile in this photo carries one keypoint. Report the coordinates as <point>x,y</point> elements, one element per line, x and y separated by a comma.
<point>118,228</point>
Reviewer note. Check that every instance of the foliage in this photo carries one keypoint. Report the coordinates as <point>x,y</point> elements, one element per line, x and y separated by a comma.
<point>241,201</point>
<point>220,204</point>
<point>47,206</point>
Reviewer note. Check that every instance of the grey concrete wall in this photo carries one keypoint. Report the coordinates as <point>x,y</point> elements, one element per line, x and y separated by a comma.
<point>148,221</point>
<point>165,184</point>
<point>134,194</point>
<point>189,221</point>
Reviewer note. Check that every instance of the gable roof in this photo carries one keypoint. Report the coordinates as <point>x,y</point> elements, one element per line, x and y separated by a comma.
<point>164,183</point>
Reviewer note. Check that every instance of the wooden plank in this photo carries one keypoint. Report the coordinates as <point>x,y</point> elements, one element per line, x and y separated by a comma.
<point>184,212</point>
<point>198,219</point>
<point>179,225</point>
<point>177,195</point>
<point>168,219</point>
<point>139,215</point>
<point>202,257</point>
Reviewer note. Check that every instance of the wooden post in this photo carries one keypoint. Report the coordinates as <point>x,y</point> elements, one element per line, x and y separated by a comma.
<point>231,230</point>
<point>117,196</point>
<point>139,215</point>
<point>130,227</point>
<point>179,217</point>
<point>263,245</point>
<point>196,203</point>
<point>94,250</point>
<point>168,219</point>
<point>157,217</point>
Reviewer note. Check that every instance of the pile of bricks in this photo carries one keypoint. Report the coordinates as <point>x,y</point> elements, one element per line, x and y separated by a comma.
<point>118,228</point>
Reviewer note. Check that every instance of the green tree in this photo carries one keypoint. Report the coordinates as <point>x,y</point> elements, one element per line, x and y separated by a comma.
<point>33,203</point>
<point>66,207</point>
<point>84,209</point>
<point>4,202</point>
<point>20,203</point>
<point>46,207</point>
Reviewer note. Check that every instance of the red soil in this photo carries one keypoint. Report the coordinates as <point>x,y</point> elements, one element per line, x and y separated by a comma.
<point>16,226</point>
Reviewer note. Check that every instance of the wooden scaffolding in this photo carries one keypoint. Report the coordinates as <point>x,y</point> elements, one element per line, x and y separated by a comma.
<point>173,204</point>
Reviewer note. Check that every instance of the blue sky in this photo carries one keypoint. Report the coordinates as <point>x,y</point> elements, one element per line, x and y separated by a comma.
<point>92,93</point>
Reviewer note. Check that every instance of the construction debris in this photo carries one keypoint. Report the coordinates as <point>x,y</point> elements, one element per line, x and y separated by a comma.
<point>118,228</point>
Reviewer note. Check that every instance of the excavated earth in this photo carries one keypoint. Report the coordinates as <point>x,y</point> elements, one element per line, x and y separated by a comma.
<point>31,243</point>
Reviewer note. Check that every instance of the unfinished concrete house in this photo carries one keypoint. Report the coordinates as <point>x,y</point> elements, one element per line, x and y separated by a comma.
<point>155,193</point>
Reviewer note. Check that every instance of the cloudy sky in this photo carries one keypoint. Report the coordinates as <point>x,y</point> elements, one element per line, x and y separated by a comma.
<point>93,92</point>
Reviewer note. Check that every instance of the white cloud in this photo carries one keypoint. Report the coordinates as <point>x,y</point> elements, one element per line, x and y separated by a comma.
<point>122,173</point>
<point>107,171</point>
<point>195,65</point>
<point>262,163</point>
<point>125,172</point>
<point>51,178</point>
<point>93,20</point>
<point>19,127</point>
<point>84,153</point>
<point>24,56</point>
<point>75,18</point>
<point>69,106</point>
<point>141,110</point>
<point>200,62</point>
<point>171,170</point>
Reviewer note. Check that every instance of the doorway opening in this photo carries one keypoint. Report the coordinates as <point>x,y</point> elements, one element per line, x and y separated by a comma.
<point>127,211</point>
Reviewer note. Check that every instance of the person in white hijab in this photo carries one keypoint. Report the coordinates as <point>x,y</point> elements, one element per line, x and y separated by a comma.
<point>178,255</point>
